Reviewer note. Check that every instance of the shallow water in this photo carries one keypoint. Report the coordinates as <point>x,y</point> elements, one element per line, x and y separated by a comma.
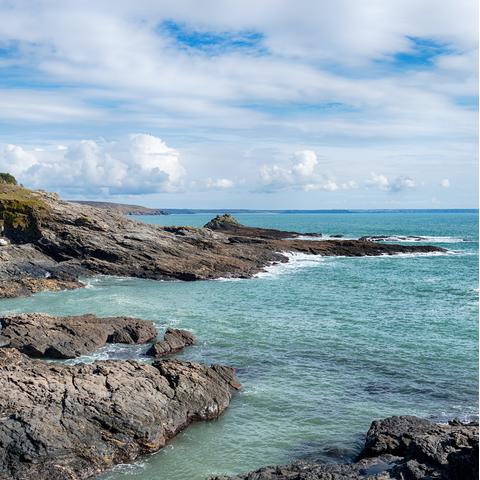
<point>322,345</point>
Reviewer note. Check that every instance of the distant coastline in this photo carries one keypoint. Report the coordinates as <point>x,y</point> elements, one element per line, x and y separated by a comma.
<point>123,208</point>
<point>187,211</point>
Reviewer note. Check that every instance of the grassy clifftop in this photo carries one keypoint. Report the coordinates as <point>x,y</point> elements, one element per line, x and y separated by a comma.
<point>21,210</point>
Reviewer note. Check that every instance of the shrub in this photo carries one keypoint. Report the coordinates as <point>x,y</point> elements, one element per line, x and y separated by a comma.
<point>8,178</point>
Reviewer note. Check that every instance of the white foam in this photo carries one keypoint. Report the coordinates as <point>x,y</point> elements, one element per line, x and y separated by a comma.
<point>113,351</point>
<point>228,279</point>
<point>295,262</point>
<point>323,237</point>
<point>420,239</point>
<point>390,238</point>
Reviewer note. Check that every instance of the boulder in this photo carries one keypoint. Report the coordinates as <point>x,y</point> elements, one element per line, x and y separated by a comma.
<point>173,341</point>
<point>41,335</point>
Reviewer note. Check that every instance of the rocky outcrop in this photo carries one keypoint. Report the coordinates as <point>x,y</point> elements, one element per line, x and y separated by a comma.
<point>173,341</point>
<point>60,422</point>
<point>228,224</point>
<point>54,242</point>
<point>41,335</point>
<point>399,448</point>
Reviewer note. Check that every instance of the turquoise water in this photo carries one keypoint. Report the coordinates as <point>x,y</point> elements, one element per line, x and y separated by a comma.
<point>322,346</point>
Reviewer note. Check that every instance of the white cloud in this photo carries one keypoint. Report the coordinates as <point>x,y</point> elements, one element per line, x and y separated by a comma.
<point>300,174</point>
<point>219,183</point>
<point>137,164</point>
<point>336,83</point>
<point>397,184</point>
<point>379,181</point>
<point>445,183</point>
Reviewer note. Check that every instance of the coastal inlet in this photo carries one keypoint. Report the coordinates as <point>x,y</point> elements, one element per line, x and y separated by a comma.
<point>322,346</point>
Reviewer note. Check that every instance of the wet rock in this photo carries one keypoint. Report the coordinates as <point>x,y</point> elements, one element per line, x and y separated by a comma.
<point>42,335</point>
<point>401,448</point>
<point>60,422</point>
<point>173,341</point>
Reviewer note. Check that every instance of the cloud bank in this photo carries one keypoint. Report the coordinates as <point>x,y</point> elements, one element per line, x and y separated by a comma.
<point>369,86</point>
<point>138,164</point>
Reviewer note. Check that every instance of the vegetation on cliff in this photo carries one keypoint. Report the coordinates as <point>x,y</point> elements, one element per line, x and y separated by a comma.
<point>7,178</point>
<point>21,211</point>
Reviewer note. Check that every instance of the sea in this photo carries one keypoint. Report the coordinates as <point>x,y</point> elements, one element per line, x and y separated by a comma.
<point>322,346</point>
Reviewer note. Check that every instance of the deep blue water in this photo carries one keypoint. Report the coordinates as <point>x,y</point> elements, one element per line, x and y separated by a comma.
<point>322,345</point>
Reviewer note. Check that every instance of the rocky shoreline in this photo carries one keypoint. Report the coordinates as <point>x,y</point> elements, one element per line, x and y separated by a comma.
<point>49,243</point>
<point>60,422</point>
<point>71,422</point>
<point>43,336</point>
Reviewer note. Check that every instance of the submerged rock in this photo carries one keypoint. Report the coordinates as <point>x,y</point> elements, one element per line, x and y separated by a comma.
<point>173,341</point>
<point>401,448</point>
<point>42,335</point>
<point>60,422</point>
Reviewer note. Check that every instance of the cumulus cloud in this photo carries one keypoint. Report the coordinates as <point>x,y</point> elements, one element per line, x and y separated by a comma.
<point>397,184</point>
<point>137,164</point>
<point>373,77</point>
<point>301,174</point>
<point>445,183</point>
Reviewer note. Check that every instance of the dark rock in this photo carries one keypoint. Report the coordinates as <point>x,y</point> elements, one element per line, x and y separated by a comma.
<point>402,448</point>
<point>41,335</point>
<point>53,243</point>
<point>228,224</point>
<point>173,341</point>
<point>428,449</point>
<point>60,422</point>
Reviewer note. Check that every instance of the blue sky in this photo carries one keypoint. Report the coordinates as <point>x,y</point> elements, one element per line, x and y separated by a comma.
<point>295,104</point>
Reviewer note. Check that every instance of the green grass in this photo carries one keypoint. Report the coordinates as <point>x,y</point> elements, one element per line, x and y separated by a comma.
<point>20,212</point>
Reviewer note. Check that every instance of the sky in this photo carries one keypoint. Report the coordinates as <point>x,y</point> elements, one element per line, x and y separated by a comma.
<point>287,104</point>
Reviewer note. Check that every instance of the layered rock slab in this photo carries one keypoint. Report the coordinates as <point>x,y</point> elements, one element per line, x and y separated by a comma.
<point>401,448</point>
<point>41,335</point>
<point>60,422</point>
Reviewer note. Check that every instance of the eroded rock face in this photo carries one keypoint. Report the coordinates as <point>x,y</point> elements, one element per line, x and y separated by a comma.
<point>61,422</point>
<point>42,335</point>
<point>73,240</point>
<point>427,449</point>
<point>173,341</point>
<point>401,448</point>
